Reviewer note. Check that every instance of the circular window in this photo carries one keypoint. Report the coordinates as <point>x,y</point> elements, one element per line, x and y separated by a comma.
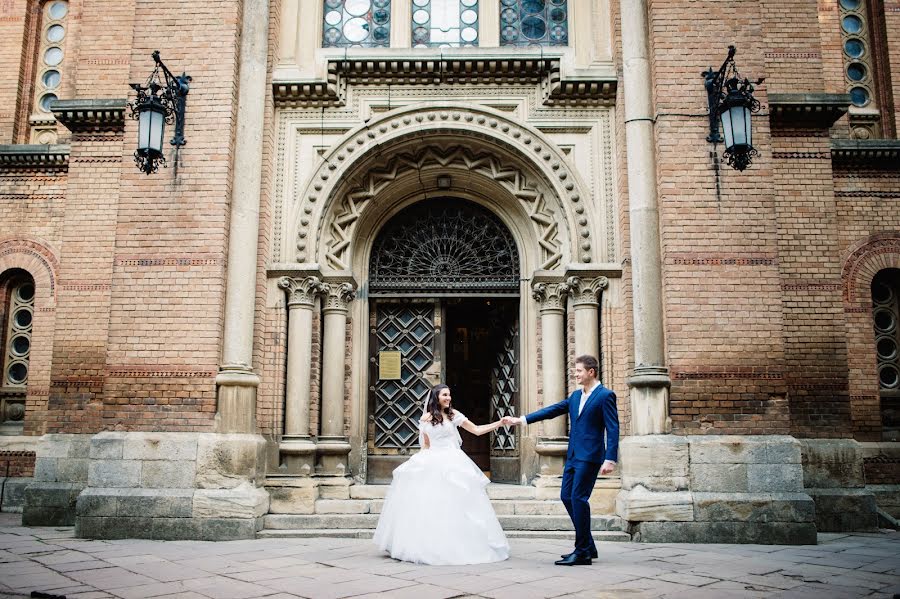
<point>53,56</point>
<point>533,28</point>
<point>881,293</point>
<point>380,34</point>
<point>557,15</point>
<point>26,292</point>
<point>420,35</point>
<point>859,96</point>
<point>333,17</point>
<point>357,8</point>
<point>851,24</point>
<point>46,101</point>
<point>332,36</point>
<point>22,318</point>
<point>509,33</point>
<point>887,348</point>
<point>356,30</point>
<point>468,34</point>
<point>51,79</point>
<point>856,71</point>
<point>381,16</point>
<point>884,321</point>
<point>469,3</point>
<point>58,10</point>
<point>854,48</point>
<point>420,17</point>
<point>850,4</point>
<point>17,373</point>
<point>20,345</point>
<point>468,17</point>
<point>55,33</point>
<point>532,6</point>
<point>888,376</point>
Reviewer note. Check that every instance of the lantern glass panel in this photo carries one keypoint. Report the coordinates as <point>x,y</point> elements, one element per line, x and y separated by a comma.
<point>157,126</point>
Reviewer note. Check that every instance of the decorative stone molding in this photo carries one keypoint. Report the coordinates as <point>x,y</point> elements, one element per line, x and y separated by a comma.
<point>550,296</point>
<point>586,290</point>
<point>301,291</point>
<point>339,230</point>
<point>338,296</point>
<point>813,110</point>
<point>90,115</point>
<point>33,155</point>
<point>874,153</point>
<point>440,69</point>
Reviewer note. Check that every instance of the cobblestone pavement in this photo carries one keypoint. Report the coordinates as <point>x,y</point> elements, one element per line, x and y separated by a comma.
<point>51,560</point>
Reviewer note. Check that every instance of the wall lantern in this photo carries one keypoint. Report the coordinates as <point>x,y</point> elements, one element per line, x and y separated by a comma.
<point>731,101</point>
<point>158,103</point>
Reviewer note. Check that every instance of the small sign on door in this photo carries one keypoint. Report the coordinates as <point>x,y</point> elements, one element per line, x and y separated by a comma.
<point>389,365</point>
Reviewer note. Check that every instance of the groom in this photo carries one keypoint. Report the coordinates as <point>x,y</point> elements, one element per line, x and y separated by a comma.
<point>592,410</point>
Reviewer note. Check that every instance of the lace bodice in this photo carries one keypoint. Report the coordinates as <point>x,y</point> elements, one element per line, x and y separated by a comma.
<point>444,435</point>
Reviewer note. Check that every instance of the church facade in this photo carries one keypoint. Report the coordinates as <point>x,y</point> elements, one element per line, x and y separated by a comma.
<point>372,196</point>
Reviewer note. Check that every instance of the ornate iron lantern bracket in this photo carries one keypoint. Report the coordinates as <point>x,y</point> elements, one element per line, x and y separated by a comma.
<point>730,98</point>
<point>158,103</point>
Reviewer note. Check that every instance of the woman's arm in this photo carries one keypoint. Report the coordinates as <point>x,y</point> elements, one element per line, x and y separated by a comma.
<point>482,429</point>
<point>427,441</point>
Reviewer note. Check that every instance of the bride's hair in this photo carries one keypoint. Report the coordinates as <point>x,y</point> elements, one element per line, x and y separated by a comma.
<point>434,405</point>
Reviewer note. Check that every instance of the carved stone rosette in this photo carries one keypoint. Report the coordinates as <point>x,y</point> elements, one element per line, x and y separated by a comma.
<point>586,291</point>
<point>338,296</point>
<point>550,296</point>
<point>302,292</point>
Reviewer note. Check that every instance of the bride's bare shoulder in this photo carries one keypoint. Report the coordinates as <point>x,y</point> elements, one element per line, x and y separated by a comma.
<point>426,418</point>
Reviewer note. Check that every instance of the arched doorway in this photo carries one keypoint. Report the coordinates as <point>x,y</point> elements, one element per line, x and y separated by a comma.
<point>443,285</point>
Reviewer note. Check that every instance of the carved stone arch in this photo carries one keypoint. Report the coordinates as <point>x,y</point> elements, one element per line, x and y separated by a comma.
<point>478,140</point>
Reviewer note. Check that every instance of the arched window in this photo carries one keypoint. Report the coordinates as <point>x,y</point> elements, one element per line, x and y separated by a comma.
<point>866,68</point>
<point>49,40</point>
<point>17,316</point>
<point>444,23</point>
<point>356,23</point>
<point>886,316</point>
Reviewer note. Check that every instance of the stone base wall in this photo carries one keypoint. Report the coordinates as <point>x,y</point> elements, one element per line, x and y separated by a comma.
<point>60,474</point>
<point>715,489</point>
<point>834,477</point>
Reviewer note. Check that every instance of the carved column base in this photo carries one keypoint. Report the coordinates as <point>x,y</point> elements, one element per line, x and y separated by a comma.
<point>298,455</point>
<point>331,456</point>
<point>551,455</point>
<point>650,400</point>
<point>236,400</point>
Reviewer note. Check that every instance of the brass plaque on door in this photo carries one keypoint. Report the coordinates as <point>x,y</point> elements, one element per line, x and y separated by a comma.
<point>389,365</point>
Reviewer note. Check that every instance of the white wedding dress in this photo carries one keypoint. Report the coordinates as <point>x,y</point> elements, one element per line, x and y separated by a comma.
<point>437,511</point>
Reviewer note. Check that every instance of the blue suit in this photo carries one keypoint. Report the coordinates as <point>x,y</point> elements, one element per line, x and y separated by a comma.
<point>586,453</point>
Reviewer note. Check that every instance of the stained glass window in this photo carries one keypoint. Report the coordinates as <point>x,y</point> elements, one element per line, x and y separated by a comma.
<point>534,23</point>
<point>444,23</point>
<point>357,23</point>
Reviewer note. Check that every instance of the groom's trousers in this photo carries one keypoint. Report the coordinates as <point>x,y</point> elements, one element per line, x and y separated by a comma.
<point>577,483</point>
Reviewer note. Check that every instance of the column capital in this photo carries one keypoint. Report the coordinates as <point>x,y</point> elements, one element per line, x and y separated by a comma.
<point>551,296</point>
<point>586,290</point>
<point>302,291</point>
<point>338,295</point>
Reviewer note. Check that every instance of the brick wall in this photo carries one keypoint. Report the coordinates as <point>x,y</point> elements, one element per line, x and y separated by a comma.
<point>17,464</point>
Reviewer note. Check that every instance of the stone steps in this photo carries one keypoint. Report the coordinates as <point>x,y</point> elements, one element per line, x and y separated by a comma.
<point>504,507</point>
<point>541,523</point>
<point>366,533</point>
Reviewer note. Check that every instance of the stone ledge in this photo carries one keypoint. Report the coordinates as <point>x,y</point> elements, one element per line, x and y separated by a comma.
<point>845,510</point>
<point>764,533</point>
<point>34,156</point>
<point>168,529</point>
<point>754,507</point>
<point>80,115</point>
<point>813,110</point>
<point>875,153</point>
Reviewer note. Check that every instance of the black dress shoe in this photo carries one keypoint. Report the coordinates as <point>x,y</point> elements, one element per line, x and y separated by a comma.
<point>593,554</point>
<point>573,560</point>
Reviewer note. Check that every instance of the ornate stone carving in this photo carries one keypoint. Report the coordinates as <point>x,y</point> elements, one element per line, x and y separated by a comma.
<point>550,296</point>
<point>338,295</point>
<point>301,291</point>
<point>339,230</point>
<point>586,291</point>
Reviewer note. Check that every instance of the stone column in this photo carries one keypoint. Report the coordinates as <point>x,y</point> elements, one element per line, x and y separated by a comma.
<point>332,446</point>
<point>551,297</point>
<point>650,380</point>
<point>297,449</point>
<point>585,300</point>
<point>237,383</point>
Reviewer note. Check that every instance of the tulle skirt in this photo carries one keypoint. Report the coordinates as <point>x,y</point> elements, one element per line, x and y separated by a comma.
<point>437,512</point>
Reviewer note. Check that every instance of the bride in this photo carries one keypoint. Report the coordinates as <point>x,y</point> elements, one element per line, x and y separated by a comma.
<point>436,510</point>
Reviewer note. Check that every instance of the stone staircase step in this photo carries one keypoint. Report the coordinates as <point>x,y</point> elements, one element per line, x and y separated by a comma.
<point>494,491</point>
<point>600,536</point>
<point>502,507</point>
<point>369,521</point>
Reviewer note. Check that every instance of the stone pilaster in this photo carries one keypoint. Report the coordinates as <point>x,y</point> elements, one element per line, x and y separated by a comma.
<point>296,447</point>
<point>550,293</point>
<point>332,445</point>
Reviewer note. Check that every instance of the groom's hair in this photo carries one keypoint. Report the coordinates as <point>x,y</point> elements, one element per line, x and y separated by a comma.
<point>589,362</point>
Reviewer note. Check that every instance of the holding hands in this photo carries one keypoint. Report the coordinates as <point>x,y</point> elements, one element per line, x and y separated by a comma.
<point>510,421</point>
